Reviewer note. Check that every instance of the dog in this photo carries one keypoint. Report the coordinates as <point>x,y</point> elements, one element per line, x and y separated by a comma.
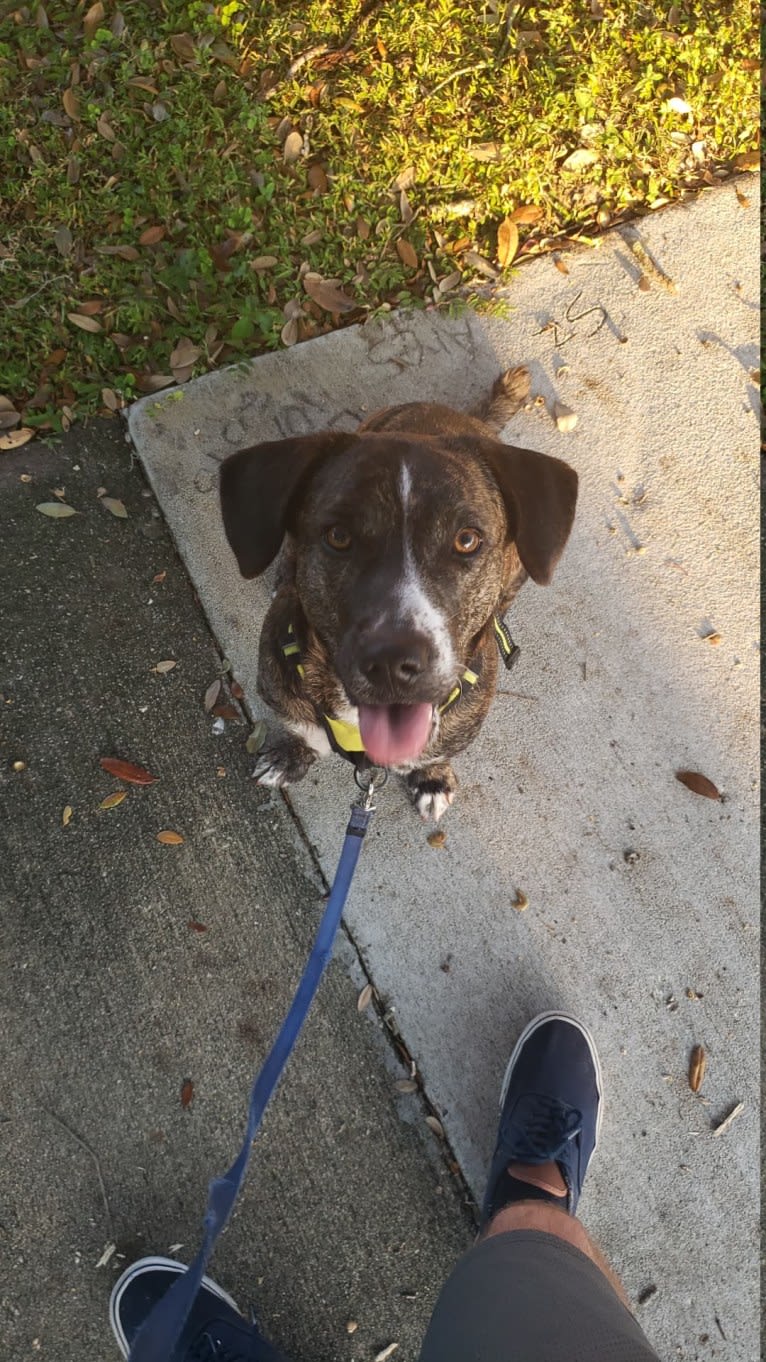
<point>402,547</point>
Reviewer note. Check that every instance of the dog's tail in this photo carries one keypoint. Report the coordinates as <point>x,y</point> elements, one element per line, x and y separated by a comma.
<point>509,394</point>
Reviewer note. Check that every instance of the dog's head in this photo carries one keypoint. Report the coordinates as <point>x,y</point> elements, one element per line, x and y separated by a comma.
<point>403,547</point>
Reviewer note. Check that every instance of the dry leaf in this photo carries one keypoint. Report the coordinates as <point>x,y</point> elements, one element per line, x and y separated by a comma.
<point>406,1085</point>
<point>139,83</point>
<point>159,577</point>
<point>714,638</point>
<point>211,694</point>
<point>185,352</point>
<point>110,399</point>
<point>116,507</point>
<point>293,146</point>
<point>507,242</point>
<point>328,294</point>
<point>71,104</point>
<point>8,419</point>
<point>698,784</point>
<point>187,1093</point>
<point>264,262</point>
<point>437,839</point>
<point>484,151</point>
<point>125,770</point>
<point>113,800</point>
<point>85,323</point>
<point>57,510</point>
<point>317,179</point>
<point>435,1126</point>
<point>183,46</point>
<point>151,235</point>
<point>15,438</point>
<point>565,418</point>
<point>62,240</point>
<point>104,128</point>
<point>152,383</point>
<point>169,838</point>
<point>560,264</point>
<point>696,1067</point>
<point>452,280</point>
<point>365,998</point>
<point>163,668</point>
<point>579,159</point>
<point>225,711</point>
<point>405,179</point>
<point>520,902</point>
<point>124,252</point>
<point>66,816</point>
<point>407,253</point>
<point>363,229</point>
<point>748,160</point>
<point>93,19</point>
<point>289,333</point>
<point>527,213</point>
<point>196,926</point>
<point>256,739</point>
<point>386,1352</point>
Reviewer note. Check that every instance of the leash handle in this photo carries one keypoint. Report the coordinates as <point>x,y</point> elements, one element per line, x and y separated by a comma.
<point>162,1328</point>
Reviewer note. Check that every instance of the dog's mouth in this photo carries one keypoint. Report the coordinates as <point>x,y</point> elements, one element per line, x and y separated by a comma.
<point>393,734</point>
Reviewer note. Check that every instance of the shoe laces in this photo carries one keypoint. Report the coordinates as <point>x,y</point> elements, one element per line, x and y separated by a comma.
<point>542,1128</point>
<point>205,1348</point>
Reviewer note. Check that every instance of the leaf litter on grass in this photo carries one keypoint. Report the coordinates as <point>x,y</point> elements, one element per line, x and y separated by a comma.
<point>156,156</point>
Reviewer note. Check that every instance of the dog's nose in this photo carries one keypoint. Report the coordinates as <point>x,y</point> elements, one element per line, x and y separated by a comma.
<point>397,661</point>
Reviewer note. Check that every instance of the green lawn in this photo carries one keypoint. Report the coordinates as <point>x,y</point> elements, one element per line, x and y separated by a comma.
<point>181,180</point>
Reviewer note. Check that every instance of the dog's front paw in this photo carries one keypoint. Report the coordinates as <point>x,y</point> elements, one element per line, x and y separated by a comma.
<point>432,790</point>
<point>284,759</point>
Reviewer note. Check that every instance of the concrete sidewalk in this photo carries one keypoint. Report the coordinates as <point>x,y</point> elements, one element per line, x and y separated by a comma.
<point>131,968</point>
<point>642,895</point>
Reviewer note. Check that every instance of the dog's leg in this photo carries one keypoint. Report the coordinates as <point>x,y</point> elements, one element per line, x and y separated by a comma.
<point>284,759</point>
<point>509,394</point>
<point>432,789</point>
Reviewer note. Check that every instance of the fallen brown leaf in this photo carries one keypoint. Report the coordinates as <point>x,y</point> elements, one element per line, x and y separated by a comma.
<point>437,839</point>
<point>93,19</point>
<point>116,507</point>
<point>113,800</point>
<point>328,294</point>
<point>127,771</point>
<point>162,668</point>
<point>560,264</point>
<point>151,235</point>
<point>211,694</point>
<point>71,104</point>
<point>169,838</point>
<point>507,242</point>
<point>698,784</point>
<point>66,816</point>
<point>85,323</point>
<point>317,179</point>
<point>187,1093</point>
<point>185,352</point>
<point>435,1126</point>
<point>159,577</point>
<point>196,926</point>
<point>385,1353</point>
<point>365,998</point>
<point>407,253</point>
<point>697,1063</point>
<point>527,213</point>
<point>15,438</point>
<point>183,46</point>
<point>223,710</point>
<point>57,510</point>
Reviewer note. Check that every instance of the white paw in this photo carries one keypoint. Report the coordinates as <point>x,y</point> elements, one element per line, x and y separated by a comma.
<point>270,774</point>
<point>431,806</point>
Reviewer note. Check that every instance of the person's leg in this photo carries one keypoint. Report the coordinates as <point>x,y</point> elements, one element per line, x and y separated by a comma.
<point>535,1288</point>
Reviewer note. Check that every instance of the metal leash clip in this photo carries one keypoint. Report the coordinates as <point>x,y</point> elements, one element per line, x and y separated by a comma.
<point>368,779</point>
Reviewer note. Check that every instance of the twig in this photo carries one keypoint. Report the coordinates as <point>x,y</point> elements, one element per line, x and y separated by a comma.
<point>517,694</point>
<point>23,301</point>
<point>726,1122</point>
<point>84,1145</point>
<point>464,71</point>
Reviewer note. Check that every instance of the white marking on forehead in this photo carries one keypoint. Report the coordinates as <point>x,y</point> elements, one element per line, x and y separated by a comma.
<point>417,610</point>
<point>405,487</point>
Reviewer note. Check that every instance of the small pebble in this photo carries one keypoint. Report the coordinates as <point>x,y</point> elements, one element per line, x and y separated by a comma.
<point>351,1326</point>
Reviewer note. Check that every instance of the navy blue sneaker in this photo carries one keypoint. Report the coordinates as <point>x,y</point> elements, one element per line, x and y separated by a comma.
<point>215,1329</point>
<point>550,1107</point>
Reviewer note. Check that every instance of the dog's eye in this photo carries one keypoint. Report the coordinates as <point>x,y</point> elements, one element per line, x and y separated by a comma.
<point>467,541</point>
<point>337,538</point>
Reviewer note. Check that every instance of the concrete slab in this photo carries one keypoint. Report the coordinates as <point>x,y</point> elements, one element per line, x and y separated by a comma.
<point>111,1000</point>
<point>642,895</point>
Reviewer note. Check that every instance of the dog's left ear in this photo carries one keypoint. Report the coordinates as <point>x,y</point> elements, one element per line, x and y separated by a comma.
<point>540,494</point>
<point>258,488</point>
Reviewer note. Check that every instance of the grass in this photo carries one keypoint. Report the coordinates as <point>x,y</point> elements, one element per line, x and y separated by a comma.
<point>150,194</point>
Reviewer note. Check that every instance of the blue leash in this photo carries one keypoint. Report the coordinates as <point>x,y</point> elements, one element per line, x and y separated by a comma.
<point>161,1329</point>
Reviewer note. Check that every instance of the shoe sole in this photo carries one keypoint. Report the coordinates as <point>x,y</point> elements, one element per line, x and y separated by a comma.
<point>529,1030</point>
<point>136,1270</point>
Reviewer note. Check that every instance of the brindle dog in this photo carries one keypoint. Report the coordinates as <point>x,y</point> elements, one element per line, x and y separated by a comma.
<point>401,545</point>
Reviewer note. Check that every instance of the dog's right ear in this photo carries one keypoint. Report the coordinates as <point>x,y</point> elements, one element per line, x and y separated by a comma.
<point>258,487</point>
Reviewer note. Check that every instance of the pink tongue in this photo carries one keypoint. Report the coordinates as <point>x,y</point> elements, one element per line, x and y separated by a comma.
<point>394,733</point>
